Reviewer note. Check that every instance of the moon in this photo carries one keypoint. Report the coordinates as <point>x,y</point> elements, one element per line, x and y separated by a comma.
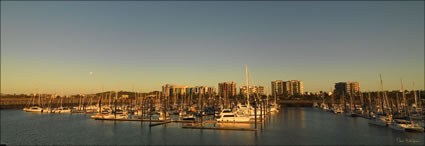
<point>90,73</point>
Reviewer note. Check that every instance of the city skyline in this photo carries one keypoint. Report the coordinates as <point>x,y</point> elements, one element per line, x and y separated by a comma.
<point>83,47</point>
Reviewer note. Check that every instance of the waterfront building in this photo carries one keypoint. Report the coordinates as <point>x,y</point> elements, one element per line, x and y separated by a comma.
<point>287,88</point>
<point>275,88</point>
<point>227,89</point>
<point>201,90</point>
<point>170,90</point>
<point>252,90</point>
<point>350,88</point>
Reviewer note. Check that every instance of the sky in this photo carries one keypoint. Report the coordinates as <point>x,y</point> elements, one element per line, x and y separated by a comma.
<point>85,47</point>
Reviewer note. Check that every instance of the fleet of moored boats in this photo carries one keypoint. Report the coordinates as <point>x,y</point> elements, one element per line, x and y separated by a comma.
<point>380,112</point>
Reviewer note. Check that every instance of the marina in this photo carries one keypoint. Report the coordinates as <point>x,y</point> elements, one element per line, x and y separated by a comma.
<point>291,126</point>
<point>176,73</point>
<point>250,113</point>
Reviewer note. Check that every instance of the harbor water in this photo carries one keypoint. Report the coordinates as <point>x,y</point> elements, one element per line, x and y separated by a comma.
<point>292,126</point>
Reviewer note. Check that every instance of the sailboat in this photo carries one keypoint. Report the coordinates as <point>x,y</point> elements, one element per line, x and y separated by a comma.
<point>405,125</point>
<point>27,107</point>
<point>323,105</point>
<point>381,120</point>
<point>62,109</point>
<point>351,113</point>
<point>246,110</point>
<point>402,124</point>
<point>275,107</point>
<point>35,108</point>
<point>100,113</point>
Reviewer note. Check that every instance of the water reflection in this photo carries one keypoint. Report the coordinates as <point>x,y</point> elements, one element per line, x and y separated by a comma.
<point>292,126</point>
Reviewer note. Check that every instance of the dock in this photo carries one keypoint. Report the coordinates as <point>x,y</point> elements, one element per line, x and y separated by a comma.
<point>180,121</point>
<point>140,120</point>
<point>160,123</point>
<point>219,128</point>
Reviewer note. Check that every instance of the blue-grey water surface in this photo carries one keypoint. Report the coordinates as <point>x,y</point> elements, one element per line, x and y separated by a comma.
<point>299,126</point>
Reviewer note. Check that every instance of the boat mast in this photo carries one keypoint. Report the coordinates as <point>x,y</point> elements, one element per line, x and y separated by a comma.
<point>382,90</point>
<point>110,98</point>
<point>370,103</point>
<point>414,94</point>
<point>116,97</point>
<point>404,98</point>
<point>100,100</point>
<point>405,102</point>
<point>33,98</point>
<point>247,85</point>
<point>39,98</point>
<point>351,103</point>
<point>332,98</point>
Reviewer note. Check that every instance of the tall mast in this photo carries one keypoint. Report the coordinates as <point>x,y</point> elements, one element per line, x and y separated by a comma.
<point>247,84</point>
<point>115,107</point>
<point>370,103</point>
<point>414,94</point>
<point>33,98</point>
<point>402,92</point>
<point>110,98</point>
<point>39,98</point>
<point>383,96</point>
<point>332,97</point>
<point>62,97</point>
<point>404,96</point>
<point>351,103</point>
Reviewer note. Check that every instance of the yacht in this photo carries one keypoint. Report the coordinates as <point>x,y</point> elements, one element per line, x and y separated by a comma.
<point>405,125</point>
<point>33,109</point>
<point>97,116</point>
<point>48,110</point>
<point>338,110</point>
<point>61,110</point>
<point>189,117</point>
<point>112,116</point>
<point>92,109</point>
<point>380,120</point>
<point>228,116</point>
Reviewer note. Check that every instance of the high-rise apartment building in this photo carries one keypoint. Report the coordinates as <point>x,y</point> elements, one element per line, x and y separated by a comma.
<point>350,88</point>
<point>201,90</point>
<point>252,90</point>
<point>275,87</point>
<point>287,88</point>
<point>171,90</point>
<point>227,89</point>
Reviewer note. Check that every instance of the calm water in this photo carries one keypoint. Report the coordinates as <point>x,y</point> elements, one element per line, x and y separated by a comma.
<point>290,126</point>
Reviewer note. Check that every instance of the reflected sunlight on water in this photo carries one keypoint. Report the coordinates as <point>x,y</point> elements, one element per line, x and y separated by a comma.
<point>289,126</point>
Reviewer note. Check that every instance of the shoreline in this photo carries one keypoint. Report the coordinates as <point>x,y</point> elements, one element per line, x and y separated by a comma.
<point>19,103</point>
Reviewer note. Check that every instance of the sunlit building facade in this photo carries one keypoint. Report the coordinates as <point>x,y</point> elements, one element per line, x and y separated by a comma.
<point>287,88</point>
<point>170,90</point>
<point>227,89</point>
<point>349,88</point>
<point>252,90</point>
<point>201,90</point>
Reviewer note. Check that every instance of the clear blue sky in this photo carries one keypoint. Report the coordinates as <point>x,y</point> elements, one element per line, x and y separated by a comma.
<point>54,45</point>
